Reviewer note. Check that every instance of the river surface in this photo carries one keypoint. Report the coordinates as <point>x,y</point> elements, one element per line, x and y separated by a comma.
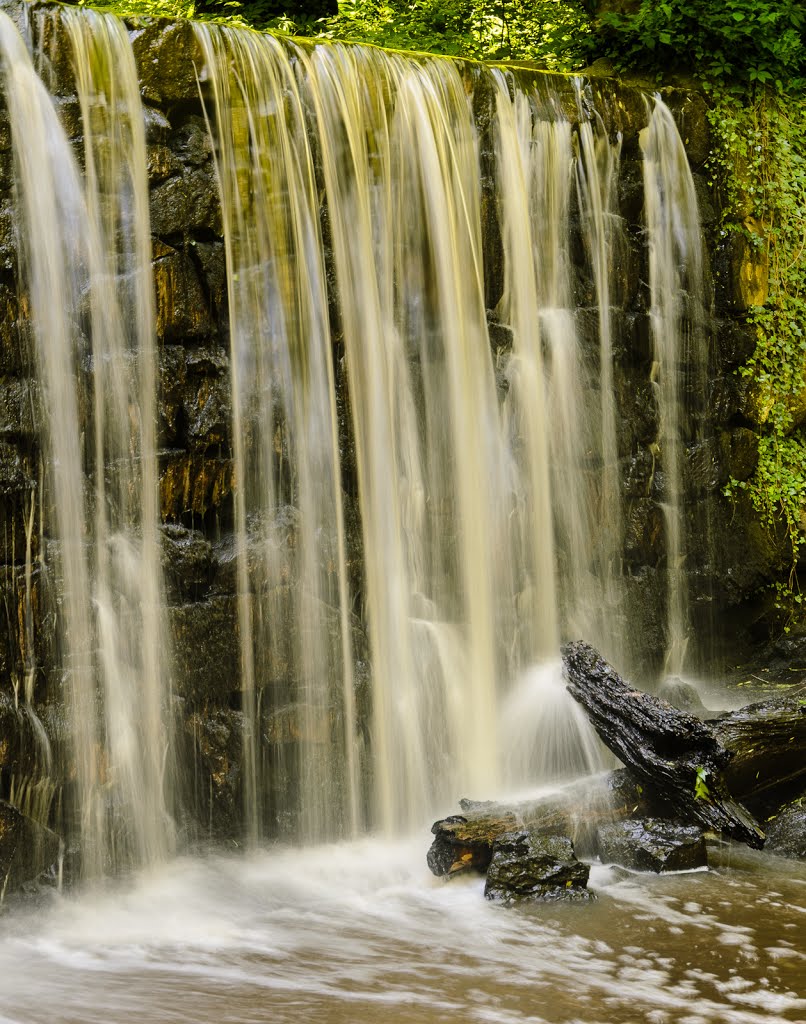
<point>362,932</point>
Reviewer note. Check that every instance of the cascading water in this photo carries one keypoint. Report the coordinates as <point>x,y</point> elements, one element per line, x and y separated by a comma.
<point>680,348</point>
<point>86,252</point>
<point>291,565</point>
<point>436,476</point>
<point>378,378</point>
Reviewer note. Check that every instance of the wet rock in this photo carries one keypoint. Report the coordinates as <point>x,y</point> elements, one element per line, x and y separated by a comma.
<point>631,191</point>
<point>205,645</point>
<point>19,396</point>
<point>739,453</point>
<point>638,410</point>
<point>705,205</point>
<point>161,164</point>
<point>691,115</point>
<point>207,408</point>
<point>167,56</point>
<point>181,305</point>
<point>15,475</point>
<point>157,126</point>
<point>191,141</point>
<point>465,843</point>
<point>8,238</point>
<point>644,532</point>
<point>27,849</point>
<point>786,831</point>
<point>736,340</point>
<point>187,562</point>
<point>527,865</point>
<point>172,373</point>
<point>185,203</point>
<point>646,844</point>
<point>766,741</point>
<point>683,696</point>
<point>16,350</point>
<point>213,741</point>
<point>743,271</point>
<point>193,485</point>
<point>213,272</point>
<point>702,470</point>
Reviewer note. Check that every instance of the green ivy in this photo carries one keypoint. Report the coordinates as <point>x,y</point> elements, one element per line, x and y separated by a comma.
<point>761,165</point>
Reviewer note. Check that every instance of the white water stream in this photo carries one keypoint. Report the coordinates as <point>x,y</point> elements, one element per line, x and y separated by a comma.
<point>361,931</point>
<point>488,492</point>
<point>486,476</point>
<point>86,253</point>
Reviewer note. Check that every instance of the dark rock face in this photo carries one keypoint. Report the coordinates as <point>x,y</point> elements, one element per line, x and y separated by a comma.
<point>526,865</point>
<point>786,832</point>
<point>27,849</point>
<point>651,845</point>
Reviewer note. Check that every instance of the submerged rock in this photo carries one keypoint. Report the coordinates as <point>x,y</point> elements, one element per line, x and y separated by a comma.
<point>527,865</point>
<point>786,832</point>
<point>27,849</point>
<point>646,844</point>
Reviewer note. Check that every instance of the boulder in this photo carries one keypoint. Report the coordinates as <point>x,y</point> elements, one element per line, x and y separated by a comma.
<point>786,832</point>
<point>646,844</point>
<point>527,865</point>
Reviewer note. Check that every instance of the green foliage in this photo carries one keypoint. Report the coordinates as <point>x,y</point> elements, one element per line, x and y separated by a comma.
<point>549,32</point>
<point>745,41</point>
<point>762,168</point>
<point>701,790</point>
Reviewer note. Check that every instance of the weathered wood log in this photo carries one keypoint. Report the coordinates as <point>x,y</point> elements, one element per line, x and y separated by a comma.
<point>674,752</point>
<point>767,741</point>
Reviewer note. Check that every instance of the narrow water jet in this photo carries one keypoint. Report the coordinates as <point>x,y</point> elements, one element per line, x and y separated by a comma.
<point>679,372</point>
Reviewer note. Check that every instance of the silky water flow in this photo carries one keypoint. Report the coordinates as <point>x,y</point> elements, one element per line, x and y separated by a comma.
<point>86,259</point>
<point>484,440</point>
<point>413,661</point>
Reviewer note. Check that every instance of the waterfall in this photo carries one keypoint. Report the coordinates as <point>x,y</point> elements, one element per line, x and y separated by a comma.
<point>680,371</point>
<point>423,316</point>
<point>86,263</point>
<point>292,576</point>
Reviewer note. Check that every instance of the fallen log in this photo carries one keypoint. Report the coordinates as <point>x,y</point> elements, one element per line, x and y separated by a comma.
<point>675,753</point>
<point>767,743</point>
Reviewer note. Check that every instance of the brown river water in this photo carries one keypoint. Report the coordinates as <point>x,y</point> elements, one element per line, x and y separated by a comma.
<point>363,932</point>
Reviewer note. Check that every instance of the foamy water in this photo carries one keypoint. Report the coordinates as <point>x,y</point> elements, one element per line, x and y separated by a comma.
<point>363,932</point>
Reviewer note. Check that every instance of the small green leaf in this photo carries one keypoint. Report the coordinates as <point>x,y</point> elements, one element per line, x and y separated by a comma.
<point>701,791</point>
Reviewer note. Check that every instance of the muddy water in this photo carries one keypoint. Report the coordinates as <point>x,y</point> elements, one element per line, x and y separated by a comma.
<point>363,932</point>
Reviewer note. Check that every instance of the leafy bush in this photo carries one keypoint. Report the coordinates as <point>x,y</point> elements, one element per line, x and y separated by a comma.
<point>743,41</point>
